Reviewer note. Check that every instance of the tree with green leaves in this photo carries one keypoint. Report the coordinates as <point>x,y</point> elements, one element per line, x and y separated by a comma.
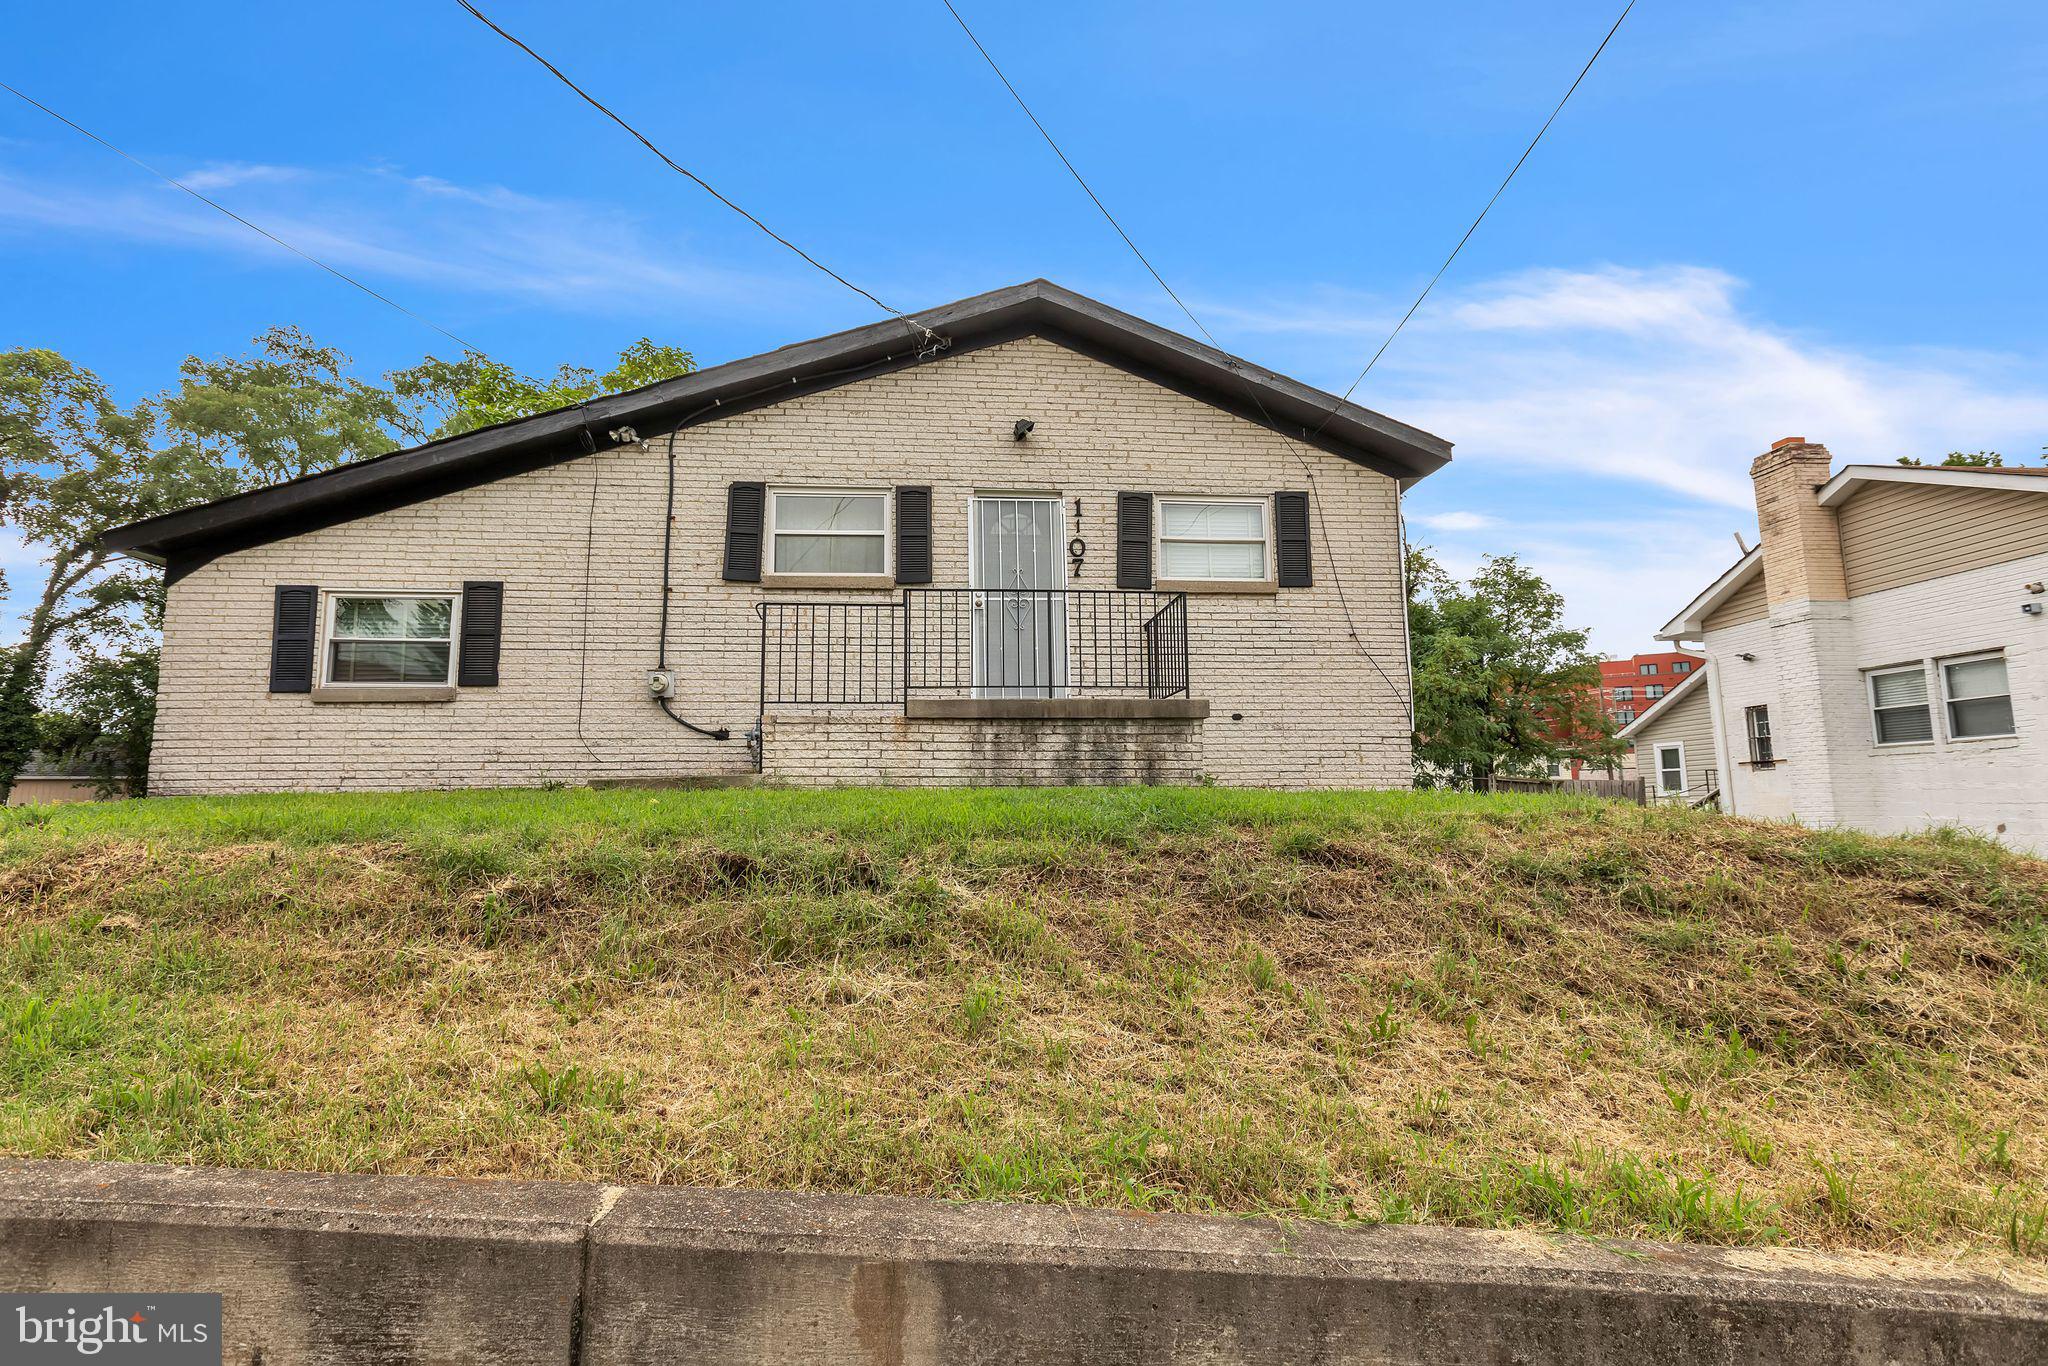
<point>73,463</point>
<point>1973,460</point>
<point>448,398</point>
<point>105,716</point>
<point>1502,686</point>
<point>288,410</point>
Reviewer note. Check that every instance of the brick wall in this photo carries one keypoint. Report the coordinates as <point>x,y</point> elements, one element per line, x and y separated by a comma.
<point>842,748</point>
<point>1294,701</point>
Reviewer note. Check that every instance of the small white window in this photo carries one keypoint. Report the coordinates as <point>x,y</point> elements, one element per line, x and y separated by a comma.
<point>390,638</point>
<point>1671,768</point>
<point>1212,538</point>
<point>1898,706</point>
<point>1978,697</point>
<point>828,531</point>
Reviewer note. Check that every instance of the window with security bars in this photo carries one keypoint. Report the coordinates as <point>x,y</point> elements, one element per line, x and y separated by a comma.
<point>1756,722</point>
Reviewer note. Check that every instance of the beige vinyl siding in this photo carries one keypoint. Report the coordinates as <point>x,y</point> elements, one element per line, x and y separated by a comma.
<point>1896,534</point>
<point>1749,604</point>
<point>1688,721</point>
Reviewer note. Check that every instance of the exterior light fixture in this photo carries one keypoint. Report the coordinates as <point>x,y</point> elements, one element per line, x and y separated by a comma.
<point>1022,429</point>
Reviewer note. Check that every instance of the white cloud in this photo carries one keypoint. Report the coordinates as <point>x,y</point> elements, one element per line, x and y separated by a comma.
<point>1619,410</point>
<point>1659,377</point>
<point>484,240</point>
<point>222,175</point>
<point>1455,521</point>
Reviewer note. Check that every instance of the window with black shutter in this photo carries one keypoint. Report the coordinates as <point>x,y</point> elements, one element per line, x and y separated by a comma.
<point>483,618</point>
<point>914,534</point>
<point>1134,540</point>
<point>294,609</point>
<point>1291,540</point>
<point>745,509</point>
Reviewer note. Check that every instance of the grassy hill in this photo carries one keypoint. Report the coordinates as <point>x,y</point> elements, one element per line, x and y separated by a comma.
<point>1392,1006</point>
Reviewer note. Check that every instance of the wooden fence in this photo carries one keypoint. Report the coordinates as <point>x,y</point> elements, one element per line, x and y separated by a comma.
<point>1618,789</point>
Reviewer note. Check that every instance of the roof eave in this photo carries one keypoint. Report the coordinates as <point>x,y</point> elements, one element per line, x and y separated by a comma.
<point>1851,479</point>
<point>1690,623</point>
<point>1403,452</point>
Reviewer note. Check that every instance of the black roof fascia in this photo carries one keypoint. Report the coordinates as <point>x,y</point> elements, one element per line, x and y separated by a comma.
<point>194,535</point>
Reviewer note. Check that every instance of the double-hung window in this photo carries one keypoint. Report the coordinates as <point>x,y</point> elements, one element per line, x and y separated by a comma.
<point>1213,538</point>
<point>1646,669</point>
<point>1671,768</point>
<point>1977,696</point>
<point>1681,666</point>
<point>390,638</point>
<point>1655,690</point>
<point>828,531</point>
<point>1624,694</point>
<point>1898,706</point>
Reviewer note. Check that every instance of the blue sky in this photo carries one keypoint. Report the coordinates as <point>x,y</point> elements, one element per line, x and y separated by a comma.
<point>1754,220</point>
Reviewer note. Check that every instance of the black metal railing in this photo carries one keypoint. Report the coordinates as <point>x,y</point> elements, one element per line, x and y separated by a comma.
<point>972,642</point>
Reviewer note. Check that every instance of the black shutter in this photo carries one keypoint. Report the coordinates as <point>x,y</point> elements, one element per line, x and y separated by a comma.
<point>1290,540</point>
<point>483,618</point>
<point>746,505</point>
<point>914,534</point>
<point>1134,540</point>
<point>291,637</point>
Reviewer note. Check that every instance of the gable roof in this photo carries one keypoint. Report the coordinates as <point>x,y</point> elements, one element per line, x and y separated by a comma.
<point>1690,623</point>
<point>1661,707</point>
<point>1037,308</point>
<point>1853,479</point>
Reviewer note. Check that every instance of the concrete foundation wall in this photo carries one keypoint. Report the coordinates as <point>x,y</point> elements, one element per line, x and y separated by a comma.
<point>387,1270</point>
<point>885,748</point>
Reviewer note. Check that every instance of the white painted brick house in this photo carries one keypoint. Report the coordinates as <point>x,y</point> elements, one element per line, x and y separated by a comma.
<point>1880,660</point>
<point>1029,539</point>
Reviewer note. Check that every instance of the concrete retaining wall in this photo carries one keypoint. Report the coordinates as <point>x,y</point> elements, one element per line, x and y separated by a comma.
<point>370,1269</point>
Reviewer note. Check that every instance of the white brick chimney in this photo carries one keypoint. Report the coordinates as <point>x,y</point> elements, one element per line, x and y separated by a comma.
<point>1818,709</point>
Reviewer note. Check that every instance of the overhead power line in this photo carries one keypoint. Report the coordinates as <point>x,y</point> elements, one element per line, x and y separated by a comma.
<point>1080,180</point>
<point>261,231</point>
<point>1499,190</point>
<point>1072,170</point>
<point>685,171</point>
<point>1315,498</point>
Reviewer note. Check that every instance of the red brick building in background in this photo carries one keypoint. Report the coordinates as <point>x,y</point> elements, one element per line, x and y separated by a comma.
<point>1628,688</point>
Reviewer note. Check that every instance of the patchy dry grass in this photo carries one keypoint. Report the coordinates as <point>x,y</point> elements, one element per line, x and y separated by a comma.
<point>1387,1007</point>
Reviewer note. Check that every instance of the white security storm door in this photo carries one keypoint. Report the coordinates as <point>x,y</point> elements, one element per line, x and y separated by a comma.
<point>1020,609</point>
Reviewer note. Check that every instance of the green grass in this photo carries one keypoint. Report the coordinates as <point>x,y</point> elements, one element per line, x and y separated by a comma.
<point>1391,1007</point>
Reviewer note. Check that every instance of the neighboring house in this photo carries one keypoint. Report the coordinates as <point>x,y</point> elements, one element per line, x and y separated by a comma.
<point>1020,538</point>
<point>1880,660</point>
<point>1630,687</point>
<point>43,780</point>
